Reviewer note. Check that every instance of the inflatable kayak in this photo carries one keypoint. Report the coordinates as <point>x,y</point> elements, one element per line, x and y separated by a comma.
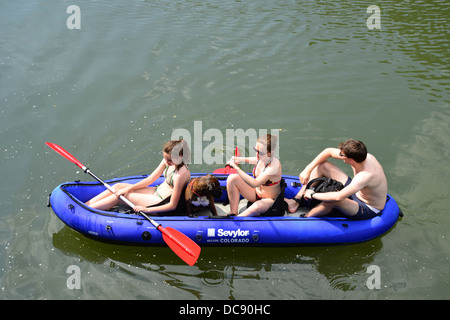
<point>67,201</point>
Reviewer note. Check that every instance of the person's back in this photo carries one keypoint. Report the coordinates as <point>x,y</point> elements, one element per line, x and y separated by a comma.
<point>375,192</point>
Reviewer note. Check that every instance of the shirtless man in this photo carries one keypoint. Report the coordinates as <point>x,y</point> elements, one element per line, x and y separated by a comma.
<point>363,197</point>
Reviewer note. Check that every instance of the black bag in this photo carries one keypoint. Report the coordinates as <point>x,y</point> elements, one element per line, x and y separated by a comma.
<point>320,185</point>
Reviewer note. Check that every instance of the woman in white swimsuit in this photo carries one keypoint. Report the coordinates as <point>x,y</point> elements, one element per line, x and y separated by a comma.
<point>153,200</point>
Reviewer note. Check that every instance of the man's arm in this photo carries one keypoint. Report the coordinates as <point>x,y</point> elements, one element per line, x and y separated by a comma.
<point>321,158</point>
<point>359,181</point>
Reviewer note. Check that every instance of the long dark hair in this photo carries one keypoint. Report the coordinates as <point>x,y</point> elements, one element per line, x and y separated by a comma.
<point>179,152</point>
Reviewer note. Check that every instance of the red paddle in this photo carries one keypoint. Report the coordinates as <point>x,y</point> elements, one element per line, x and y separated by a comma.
<point>182,245</point>
<point>228,169</point>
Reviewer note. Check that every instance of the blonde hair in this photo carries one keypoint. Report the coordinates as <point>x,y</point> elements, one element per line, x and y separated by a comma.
<point>269,141</point>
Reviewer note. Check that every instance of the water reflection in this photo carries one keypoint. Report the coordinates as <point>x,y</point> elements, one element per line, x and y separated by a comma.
<point>231,273</point>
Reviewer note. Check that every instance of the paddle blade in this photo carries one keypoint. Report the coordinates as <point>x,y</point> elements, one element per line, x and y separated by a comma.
<point>228,169</point>
<point>182,245</point>
<point>65,154</point>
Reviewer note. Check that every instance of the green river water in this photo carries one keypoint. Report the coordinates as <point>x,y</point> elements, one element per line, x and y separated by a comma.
<point>113,91</point>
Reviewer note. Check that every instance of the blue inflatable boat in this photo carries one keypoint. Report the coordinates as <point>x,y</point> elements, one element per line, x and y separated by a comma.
<point>67,201</point>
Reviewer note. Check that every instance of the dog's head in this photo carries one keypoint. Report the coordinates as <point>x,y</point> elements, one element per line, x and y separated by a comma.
<point>208,185</point>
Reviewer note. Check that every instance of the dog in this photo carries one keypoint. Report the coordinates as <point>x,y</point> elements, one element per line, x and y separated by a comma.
<point>200,192</point>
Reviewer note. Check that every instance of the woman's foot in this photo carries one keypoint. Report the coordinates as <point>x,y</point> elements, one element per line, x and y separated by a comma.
<point>293,204</point>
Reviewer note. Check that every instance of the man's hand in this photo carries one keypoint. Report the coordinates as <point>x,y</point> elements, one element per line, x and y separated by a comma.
<point>304,176</point>
<point>308,194</point>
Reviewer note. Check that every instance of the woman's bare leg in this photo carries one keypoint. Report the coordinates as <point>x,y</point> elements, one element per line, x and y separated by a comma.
<point>258,207</point>
<point>325,169</point>
<point>235,187</point>
<point>107,193</point>
<point>140,197</point>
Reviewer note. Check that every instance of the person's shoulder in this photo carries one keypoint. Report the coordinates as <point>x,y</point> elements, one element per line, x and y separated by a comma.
<point>275,166</point>
<point>372,158</point>
<point>363,177</point>
<point>275,161</point>
<point>183,171</point>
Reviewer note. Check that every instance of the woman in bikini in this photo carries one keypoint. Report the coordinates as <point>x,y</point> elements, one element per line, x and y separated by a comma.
<point>153,200</point>
<point>261,189</point>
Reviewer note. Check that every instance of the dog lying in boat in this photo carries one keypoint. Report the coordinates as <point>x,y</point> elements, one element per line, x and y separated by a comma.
<point>200,192</point>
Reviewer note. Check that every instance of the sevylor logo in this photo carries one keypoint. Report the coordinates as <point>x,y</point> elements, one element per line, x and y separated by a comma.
<point>230,235</point>
<point>233,233</point>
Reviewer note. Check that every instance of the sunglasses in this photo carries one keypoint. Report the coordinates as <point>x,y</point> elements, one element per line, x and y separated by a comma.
<point>260,153</point>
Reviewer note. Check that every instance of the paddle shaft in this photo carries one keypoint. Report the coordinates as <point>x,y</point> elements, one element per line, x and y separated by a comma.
<point>168,236</point>
<point>129,203</point>
<point>121,197</point>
